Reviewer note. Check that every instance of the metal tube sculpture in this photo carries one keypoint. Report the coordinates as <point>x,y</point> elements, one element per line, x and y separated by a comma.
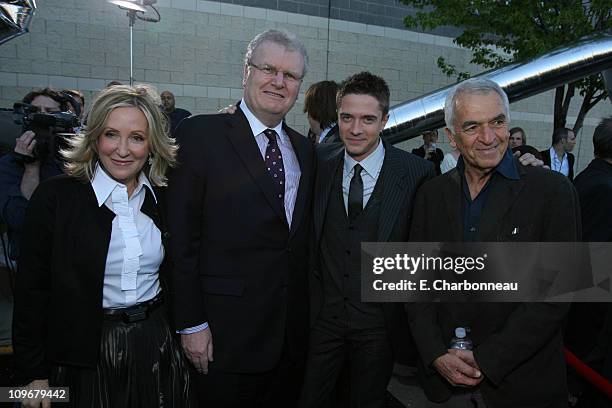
<point>520,80</point>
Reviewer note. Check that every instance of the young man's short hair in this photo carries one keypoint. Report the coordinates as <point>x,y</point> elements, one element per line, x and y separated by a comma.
<point>366,83</point>
<point>560,134</point>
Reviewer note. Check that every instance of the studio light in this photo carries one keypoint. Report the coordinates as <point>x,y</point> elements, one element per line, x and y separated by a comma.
<point>135,10</point>
<point>128,5</point>
<point>15,17</point>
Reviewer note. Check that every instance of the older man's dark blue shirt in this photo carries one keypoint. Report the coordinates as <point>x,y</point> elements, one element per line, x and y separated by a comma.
<point>472,209</point>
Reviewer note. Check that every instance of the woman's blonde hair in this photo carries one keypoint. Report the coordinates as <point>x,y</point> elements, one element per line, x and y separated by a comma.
<point>82,156</point>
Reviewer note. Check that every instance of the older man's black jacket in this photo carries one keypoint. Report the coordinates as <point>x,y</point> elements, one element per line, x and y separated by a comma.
<point>517,345</point>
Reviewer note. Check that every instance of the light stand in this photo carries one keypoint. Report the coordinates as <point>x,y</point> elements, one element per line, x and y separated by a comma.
<point>133,7</point>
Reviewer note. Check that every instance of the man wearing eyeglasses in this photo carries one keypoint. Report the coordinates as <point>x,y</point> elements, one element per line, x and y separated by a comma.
<point>517,358</point>
<point>239,218</point>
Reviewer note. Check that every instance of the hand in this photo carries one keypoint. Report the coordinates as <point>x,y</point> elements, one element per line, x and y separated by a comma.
<point>25,144</point>
<point>529,159</point>
<point>231,109</point>
<point>199,349</point>
<point>459,368</point>
<point>37,402</point>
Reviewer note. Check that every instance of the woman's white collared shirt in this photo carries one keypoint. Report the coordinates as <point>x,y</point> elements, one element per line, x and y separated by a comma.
<point>135,251</point>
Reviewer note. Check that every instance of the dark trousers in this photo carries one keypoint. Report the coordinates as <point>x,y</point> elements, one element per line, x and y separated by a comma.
<point>279,387</point>
<point>365,352</point>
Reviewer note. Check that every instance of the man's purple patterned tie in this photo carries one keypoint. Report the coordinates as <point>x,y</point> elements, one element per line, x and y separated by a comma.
<point>274,163</point>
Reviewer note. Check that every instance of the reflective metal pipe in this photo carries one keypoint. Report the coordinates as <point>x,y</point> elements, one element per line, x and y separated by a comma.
<point>520,80</point>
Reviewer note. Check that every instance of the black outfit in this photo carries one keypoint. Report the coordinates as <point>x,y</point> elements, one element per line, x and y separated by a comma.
<point>436,158</point>
<point>594,186</point>
<point>238,264</point>
<point>175,117</point>
<point>364,336</point>
<point>570,162</point>
<point>12,202</point>
<point>517,345</point>
<point>589,327</point>
<point>60,330</point>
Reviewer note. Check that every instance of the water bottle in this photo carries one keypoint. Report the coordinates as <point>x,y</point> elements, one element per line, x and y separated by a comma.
<point>461,340</point>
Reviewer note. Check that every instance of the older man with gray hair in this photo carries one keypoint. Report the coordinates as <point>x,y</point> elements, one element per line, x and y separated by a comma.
<point>239,218</point>
<point>517,358</point>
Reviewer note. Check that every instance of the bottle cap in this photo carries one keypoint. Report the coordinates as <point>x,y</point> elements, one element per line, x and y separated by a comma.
<point>460,332</point>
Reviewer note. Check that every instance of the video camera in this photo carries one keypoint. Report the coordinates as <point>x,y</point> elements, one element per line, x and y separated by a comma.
<point>45,126</point>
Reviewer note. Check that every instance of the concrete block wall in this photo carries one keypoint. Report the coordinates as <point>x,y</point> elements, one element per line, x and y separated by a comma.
<point>385,13</point>
<point>196,51</point>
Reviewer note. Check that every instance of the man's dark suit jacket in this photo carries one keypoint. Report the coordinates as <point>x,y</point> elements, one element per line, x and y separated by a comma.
<point>517,345</point>
<point>58,298</point>
<point>594,186</point>
<point>403,174</point>
<point>238,265</point>
<point>585,321</point>
<point>570,162</point>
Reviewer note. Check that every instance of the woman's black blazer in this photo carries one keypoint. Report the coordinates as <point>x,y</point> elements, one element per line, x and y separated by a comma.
<point>58,296</point>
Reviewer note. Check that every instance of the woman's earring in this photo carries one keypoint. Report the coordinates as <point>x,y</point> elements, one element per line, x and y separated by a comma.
<point>150,159</point>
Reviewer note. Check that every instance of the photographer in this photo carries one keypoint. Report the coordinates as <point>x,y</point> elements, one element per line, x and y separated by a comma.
<point>34,159</point>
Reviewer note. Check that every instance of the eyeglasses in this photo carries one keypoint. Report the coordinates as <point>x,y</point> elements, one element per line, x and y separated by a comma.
<point>271,71</point>
<point>475,128</point>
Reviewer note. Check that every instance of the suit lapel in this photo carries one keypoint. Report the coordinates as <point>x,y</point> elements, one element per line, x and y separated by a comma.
<point>240,135</point>
<point>151,209</point>
<point>325,179</point>
<point>394,190</point>
<point>453,207</point>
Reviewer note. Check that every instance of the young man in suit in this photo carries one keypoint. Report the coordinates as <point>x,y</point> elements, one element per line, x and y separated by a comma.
<point>559,157</point>
<point>517,360</point>
<point>363,192</point>
<point>239,219</point>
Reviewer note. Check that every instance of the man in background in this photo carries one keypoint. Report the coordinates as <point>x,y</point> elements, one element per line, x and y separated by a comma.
<point>559,157</point>
<point>430,151</point>
<point>589,330</point>
<point>175,115</point>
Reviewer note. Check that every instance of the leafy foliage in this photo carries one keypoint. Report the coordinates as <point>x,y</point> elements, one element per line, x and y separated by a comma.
<point>499,32</point>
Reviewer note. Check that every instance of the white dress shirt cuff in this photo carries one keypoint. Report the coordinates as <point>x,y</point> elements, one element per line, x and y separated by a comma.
<point>195,329</point>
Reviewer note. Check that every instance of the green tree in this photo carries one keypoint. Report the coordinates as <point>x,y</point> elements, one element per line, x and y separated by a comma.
<point>504,31</point>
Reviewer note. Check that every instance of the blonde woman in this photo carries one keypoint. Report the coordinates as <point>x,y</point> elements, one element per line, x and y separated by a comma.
<point>90,307</point>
